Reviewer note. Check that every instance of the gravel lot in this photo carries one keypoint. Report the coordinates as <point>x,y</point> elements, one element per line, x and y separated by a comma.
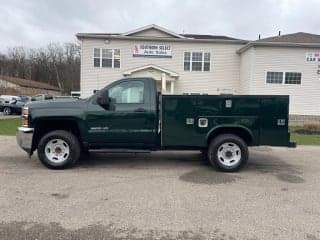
<point>164,195</point>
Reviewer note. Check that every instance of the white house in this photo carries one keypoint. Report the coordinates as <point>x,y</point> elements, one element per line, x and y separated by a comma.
<point>193,63</point>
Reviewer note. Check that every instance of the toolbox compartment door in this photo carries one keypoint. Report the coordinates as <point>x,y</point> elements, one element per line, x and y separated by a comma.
<point>274,121</point>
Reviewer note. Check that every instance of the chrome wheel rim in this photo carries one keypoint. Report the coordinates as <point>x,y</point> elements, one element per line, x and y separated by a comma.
<point>6,111</point>
<point>57,150</point>
<point>229,154</point>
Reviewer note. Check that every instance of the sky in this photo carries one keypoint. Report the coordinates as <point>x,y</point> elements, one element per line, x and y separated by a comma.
<point>35,23</point>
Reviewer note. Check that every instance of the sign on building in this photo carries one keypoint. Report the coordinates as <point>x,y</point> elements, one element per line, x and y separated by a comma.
<point>313,56</point>
<point>151,50</point>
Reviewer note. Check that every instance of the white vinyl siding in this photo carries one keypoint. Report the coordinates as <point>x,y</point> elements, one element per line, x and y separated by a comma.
<point>246,70</point>
<point>304,97</point>
<point>223,76</point>
<point>293,70</point>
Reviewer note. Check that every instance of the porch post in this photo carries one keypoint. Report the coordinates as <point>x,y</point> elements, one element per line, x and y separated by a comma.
<point>172,87</point>
<point>164,83</point>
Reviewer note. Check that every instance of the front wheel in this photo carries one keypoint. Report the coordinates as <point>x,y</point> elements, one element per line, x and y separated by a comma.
<point>228,152</point>
<point>59,149</point>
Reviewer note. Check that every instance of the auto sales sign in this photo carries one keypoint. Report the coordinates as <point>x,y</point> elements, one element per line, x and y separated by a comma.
<point>151,50</point>
<point>313,57</point>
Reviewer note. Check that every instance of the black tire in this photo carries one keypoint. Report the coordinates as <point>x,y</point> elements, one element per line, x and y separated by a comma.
<point>7,111</point>
<point>216,146</point>
<point>73,144</point>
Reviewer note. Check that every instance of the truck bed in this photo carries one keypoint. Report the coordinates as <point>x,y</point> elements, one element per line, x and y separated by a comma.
<point>189,120</point>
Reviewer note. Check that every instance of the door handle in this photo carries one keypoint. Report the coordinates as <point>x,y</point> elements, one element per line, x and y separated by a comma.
<point>140,110</point>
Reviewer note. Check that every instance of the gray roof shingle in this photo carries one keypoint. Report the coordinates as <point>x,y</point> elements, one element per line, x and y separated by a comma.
<point>204,36</point>
<point>299,37</point>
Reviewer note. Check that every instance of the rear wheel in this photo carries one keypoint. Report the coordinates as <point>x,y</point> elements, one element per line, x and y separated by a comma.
<point>59,149</point>
<point>7,111</point>
<point>228,152</point>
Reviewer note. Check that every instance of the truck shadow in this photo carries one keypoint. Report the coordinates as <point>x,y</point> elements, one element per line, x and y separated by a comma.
<point>198,169</point>
<point>167,159</point>
<point>268,163</point>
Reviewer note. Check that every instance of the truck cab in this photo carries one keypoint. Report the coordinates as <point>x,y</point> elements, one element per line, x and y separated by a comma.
<point>130,115</point>
<point>124,114</point>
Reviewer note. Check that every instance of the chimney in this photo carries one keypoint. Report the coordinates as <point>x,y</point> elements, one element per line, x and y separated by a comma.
<point>279,33</point>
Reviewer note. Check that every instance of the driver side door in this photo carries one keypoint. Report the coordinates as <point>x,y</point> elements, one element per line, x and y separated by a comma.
<point>129,121</point>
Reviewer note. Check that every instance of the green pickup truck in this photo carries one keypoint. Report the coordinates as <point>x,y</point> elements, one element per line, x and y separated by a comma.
<point>129,115</point>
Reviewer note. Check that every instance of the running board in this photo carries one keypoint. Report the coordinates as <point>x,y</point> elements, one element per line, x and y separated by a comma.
<point>119,150</point>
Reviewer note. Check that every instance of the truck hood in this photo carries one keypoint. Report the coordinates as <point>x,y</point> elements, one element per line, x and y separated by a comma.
<point>57,104</point>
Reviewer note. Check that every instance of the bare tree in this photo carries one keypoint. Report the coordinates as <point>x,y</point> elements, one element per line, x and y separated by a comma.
<point>56,64</point>
<point>56,58</point>
<point>17,55</point>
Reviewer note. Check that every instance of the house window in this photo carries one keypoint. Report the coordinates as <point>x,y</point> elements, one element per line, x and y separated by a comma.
<point>206,62</point>
<point>116,58</point>
<point>292,78</point>
<point>96,57</point>
<point>275,77</point>
<point>284,77</point>
<point>197,61</point>
<point>187,61</point>
<point>109,58</point>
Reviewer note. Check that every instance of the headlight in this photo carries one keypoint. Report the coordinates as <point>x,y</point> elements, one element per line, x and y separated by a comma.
<point>25,116</point>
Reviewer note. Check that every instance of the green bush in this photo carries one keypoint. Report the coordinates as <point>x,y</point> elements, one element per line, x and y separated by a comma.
<point>310,128</point>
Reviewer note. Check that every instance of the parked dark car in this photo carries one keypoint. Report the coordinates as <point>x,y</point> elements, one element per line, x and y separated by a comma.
<point>42,97</point>
<point>25,98</point>
<point>17,102</point>
<point>14,107</point>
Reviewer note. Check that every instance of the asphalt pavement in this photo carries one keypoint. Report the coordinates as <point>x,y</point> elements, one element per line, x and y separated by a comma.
<point>163,195</point>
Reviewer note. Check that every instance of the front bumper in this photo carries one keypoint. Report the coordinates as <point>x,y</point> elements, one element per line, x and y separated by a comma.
<point>24,138</point>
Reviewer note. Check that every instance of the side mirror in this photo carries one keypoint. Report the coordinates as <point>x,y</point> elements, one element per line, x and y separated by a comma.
<point>103,99</point>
